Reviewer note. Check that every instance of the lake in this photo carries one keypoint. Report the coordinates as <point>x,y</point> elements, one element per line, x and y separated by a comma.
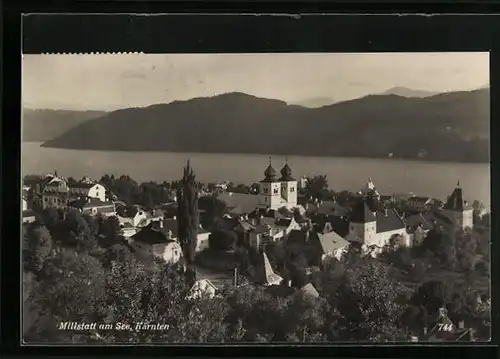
<point>436,179</point>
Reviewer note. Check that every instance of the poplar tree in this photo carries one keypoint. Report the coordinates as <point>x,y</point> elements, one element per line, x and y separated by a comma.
<point>188,215</point>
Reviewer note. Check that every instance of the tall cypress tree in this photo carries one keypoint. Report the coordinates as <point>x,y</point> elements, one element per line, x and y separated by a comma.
<point>188,215</point>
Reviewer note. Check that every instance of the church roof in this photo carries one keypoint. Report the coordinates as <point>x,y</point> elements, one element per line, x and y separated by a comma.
<point>264,273</point>
<point>455,202</point>
<point>362,214</point>
<point>286,173</point>
<point>269,173</point>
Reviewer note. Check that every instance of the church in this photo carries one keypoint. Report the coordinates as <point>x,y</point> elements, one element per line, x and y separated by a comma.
<point>277,192</point>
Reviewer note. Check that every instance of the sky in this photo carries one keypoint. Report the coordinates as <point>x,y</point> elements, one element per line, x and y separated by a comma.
<point>108,82</point>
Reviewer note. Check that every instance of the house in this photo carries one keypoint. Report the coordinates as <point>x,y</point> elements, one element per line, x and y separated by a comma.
<point>201,288</point>
<point>375,227</point>
<point>56,192</point>
<point>203,236</point>
<point>419,203</point>
<point>265,229</point>
<point>138,217</point>
<point>93,207</point>
<point>86,188</point>
<point>127,230</point>
<point>28,216</point>
<point>153,240</point>
<point>329,244</point>
<point>264,274</point>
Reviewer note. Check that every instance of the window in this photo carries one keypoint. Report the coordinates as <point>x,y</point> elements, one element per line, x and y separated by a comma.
<point>265,199</point>
<point>276,191</point>
<point>292,189</point>
<point>46,199</point>
<point>266,190</point>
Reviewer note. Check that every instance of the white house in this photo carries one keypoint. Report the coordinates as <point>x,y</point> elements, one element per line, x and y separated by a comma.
<point>86,189</point>
<point>28,216</point>
<point>154,241</point>
<point>375,228</point>
<point>202,236</point>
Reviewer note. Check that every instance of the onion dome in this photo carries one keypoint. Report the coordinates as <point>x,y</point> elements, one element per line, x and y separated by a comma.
<point>286,173</point>
<point>269,173</point>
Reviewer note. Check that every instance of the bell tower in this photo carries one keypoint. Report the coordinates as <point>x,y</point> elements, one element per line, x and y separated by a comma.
<point>270,196</point>
<point>458,210</point>
<point>288,186</point>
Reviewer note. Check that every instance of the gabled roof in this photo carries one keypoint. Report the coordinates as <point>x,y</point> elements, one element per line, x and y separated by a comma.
<point>264,273</point>
<point>28,213</point>
<point>309,290</point>
<point>150,235</point>
<point>328,208</point>
<point>202,286</point>
<point>94,202</point>
<point>456,202</point>
<point>331,241</point>
<point>361,213</point>
<point>389,222</point>
<point>82,185</point>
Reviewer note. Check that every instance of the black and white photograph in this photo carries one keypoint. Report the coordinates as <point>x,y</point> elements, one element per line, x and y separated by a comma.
<point>259,198</point>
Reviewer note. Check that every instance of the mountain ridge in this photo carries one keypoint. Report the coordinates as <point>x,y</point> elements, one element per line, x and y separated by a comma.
<point>433,128</point>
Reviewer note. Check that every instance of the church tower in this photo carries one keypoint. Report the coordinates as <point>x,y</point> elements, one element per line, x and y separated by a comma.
<point>458,210</point>
<point>288,186</point>
<point>270,195</point>
<point>363,225</point>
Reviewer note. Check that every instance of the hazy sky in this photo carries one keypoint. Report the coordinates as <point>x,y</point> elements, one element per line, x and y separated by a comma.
<point>118,81</point>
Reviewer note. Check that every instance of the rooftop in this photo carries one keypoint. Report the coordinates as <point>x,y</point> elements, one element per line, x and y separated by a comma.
<point>151,235</point>
<point>455,202</point>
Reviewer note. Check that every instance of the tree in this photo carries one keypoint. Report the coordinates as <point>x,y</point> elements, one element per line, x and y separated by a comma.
<point>39,247</point>
<point>367,301</point>
<point>465,250</point>
<point>188,219</point>
<point>315,186</point>
<point>222,239</point>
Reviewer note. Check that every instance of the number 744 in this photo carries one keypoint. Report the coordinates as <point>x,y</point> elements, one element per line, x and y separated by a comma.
<point>445,327</point>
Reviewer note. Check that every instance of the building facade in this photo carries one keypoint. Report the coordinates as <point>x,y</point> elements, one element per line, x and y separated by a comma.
<point>278,192</point>
<point>458,211</point>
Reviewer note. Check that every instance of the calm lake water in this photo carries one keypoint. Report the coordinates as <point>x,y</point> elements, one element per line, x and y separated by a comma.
<point>436,179</point>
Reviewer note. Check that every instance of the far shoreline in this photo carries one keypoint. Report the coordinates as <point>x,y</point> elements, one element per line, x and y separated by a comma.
<point>413,159</point>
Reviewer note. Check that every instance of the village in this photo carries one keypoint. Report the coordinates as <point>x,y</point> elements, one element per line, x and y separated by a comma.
<point>278,233</point>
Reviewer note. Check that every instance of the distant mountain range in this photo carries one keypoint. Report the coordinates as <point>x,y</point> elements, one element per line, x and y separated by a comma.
<point>448,127</point>
<point>315,102</point>
<point>407,92</point>
<point>43,125</point>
